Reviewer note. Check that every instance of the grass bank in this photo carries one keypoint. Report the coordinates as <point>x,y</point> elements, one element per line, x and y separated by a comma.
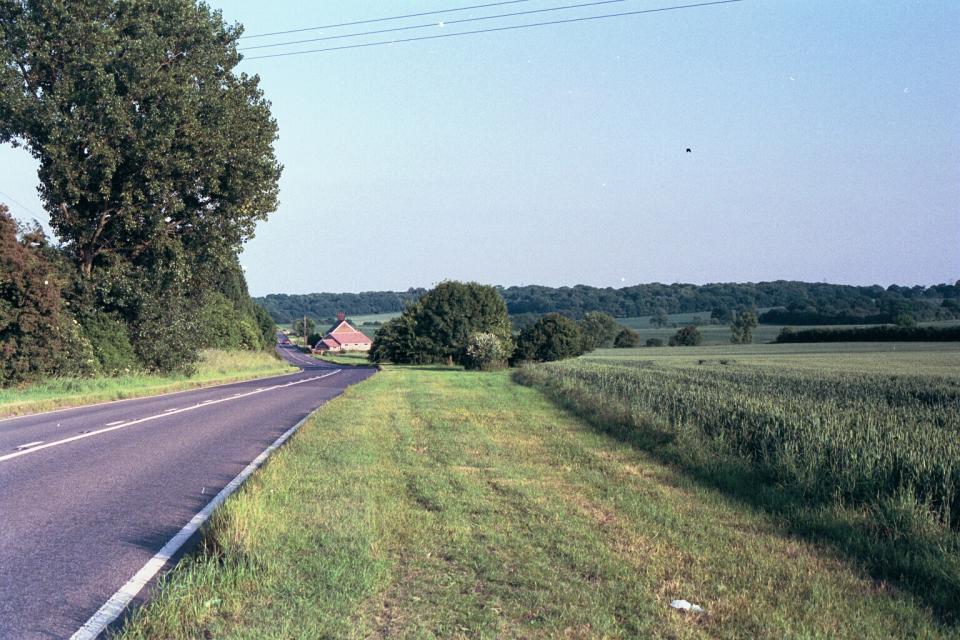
<point>428,503</point>
<point>215,367</point>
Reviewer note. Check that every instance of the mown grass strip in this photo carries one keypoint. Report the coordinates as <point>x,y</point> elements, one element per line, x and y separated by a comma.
<point>429,503</point>
<point>215,367</point>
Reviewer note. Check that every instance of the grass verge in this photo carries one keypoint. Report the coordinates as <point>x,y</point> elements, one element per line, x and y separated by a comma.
<point>357,359</point>
<point>215,367</point>
<point>435,504</point>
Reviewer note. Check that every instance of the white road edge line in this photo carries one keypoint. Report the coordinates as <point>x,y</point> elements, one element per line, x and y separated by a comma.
<point>118,602</point>
<point>28,445</point>
<point>155,395</point>
<point>114,423</point>
<point>90,434</point>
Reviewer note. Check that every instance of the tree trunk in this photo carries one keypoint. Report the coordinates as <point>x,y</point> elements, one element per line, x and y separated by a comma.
<point>86,262</point>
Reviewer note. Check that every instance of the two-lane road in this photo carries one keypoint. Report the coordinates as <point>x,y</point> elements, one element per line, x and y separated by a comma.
<point>89,495</point>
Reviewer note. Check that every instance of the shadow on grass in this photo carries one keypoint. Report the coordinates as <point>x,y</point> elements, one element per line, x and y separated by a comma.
<point>885,539</point>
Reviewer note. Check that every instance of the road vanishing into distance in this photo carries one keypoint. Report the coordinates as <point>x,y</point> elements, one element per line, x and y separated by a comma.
<point>89,496</point>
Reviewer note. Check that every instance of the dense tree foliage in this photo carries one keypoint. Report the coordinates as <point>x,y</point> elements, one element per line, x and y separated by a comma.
<point>552,337</point>
<point>627,339</point>
<point>144,134</point>
<point>598,330</point>
<point>646,299</point>
<point>438,326</point>
<point>156,162</point>
<point>37,336</point>
<point>882,333</point>
<point>397,341</point>
<point>686,337</point>
<point>789,302</point>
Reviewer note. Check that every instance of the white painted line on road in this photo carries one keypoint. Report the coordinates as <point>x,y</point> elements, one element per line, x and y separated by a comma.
<point>170,410</point>
<point>115,422</point>
<point>28,445</point>
<point>156,395</point>
<point>55,443</point>
<point>115,606</point>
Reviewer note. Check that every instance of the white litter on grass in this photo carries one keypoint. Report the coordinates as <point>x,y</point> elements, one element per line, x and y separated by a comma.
<point>683,605</point>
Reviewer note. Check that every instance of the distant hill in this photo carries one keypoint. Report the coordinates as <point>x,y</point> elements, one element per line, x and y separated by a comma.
<point>791,302</point>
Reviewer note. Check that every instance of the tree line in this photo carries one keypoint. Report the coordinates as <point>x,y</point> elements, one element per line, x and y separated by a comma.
<point>789,302</point>
<point>156,162</point>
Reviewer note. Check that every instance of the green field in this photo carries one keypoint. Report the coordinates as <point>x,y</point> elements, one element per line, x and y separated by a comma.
<point>215,367</point>
<point>430,502</point>
<point>366,323</point>
<point>718,334</point>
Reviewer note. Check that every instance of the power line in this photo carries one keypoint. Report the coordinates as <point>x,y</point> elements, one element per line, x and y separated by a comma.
<point>20,204</point>
<point>433,24</point>
<point>493,29</point>
<point>409,15</point>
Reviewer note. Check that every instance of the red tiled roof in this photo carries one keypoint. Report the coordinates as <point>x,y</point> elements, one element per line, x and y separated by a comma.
<point>328,344</point>
<point>355,337</point>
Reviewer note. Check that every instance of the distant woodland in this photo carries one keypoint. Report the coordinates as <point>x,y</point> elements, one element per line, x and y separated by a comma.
<point>784,302</point>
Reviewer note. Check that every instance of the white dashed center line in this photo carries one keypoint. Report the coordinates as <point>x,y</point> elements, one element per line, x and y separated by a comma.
<point>31,447</point>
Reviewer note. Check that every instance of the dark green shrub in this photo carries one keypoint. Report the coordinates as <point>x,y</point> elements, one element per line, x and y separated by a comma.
<point>627,339</point>
<point>110,343</point>
<point>686,337</point>
<point>654,342</point>
<point>552,337</point>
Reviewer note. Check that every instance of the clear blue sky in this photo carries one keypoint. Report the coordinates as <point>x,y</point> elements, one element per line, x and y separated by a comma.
<point>825,143</point>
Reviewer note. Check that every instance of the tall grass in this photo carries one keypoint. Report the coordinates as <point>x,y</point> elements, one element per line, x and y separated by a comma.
<point>855,437</point>
<point>878,456</point>
<point>215,366</point>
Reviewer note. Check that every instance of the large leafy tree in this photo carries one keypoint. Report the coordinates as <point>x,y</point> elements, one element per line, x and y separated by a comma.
<point>439,326</point>
<point>453,311</point>
<point>156,158</point>
<point>599,330</point>
<point>144,133</point>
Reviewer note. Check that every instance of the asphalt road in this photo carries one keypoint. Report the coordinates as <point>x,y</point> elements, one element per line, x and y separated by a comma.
<point>89,495</point>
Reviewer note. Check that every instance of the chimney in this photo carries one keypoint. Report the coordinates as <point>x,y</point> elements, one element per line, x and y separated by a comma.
<point>341,316</point>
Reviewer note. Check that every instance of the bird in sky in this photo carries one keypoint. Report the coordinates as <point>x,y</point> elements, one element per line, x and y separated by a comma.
<point>689,150</point>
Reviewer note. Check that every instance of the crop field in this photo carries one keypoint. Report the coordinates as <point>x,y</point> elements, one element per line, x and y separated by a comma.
<point>857,444</point>
<point>718,334</point>
<point>370,319</point>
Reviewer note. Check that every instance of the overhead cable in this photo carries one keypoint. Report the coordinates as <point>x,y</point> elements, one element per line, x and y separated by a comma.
<point>432,24</point>
<point>492,29</point>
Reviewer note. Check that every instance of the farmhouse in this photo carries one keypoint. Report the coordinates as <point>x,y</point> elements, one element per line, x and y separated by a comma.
<point>342,337</point>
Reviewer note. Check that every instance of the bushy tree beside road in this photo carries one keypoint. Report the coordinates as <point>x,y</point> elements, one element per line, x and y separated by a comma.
<point>439,326</point>
<point>156,159</point>
<point>37,336</point>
